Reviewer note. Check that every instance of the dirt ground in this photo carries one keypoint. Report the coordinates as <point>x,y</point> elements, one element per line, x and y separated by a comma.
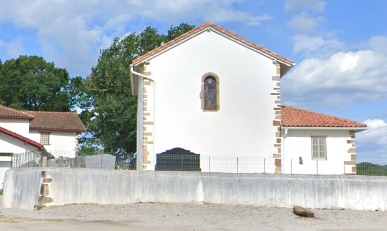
<point>185,217</point>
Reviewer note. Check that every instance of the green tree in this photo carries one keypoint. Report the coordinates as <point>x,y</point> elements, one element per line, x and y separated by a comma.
<point>31,83</point>
<point>112,120</point>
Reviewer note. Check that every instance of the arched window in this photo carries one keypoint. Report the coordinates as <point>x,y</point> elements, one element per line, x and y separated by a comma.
<point>210,92</point>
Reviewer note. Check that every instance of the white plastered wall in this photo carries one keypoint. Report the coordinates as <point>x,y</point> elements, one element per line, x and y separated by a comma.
<point>298,144</point>
<point>61,143</point>
<point>244,124</point>
<point>20,127</point>
<point>9,144</point>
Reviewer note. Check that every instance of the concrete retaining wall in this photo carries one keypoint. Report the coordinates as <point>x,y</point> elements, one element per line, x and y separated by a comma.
<point>25,188</point>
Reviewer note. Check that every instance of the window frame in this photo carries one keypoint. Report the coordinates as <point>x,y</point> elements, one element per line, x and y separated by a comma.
<point>202,93</point>
<point>316,147</point>
<point>42,134</point>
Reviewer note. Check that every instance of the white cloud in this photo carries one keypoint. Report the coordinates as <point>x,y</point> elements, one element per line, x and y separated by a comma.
<point>372,143</point>
<point>339,78</point>
<point>15,48</point>
<point>305,24</point>
<point>72,31</point>
<point>304,5</point>
<point>375,134</point>
<point>217,11</point>
<point>316,45</point>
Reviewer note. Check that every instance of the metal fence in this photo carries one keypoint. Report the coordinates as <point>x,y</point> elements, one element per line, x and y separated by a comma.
<point>204,163</point>
<point>236,164</point>
<point>26,159</point>
<point>323,167</point>
<point>371,169</point>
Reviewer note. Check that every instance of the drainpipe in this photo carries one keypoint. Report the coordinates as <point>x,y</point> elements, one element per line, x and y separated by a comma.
<point>140,127</point>
<point>283,149</point>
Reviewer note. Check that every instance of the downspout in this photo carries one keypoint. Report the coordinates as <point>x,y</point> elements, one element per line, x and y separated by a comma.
<point>283,149</point>
<point>140,127</point>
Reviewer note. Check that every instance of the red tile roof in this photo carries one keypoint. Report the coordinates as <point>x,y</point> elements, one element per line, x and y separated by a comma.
<point>9,113</point>
<point>57,121</point>
<point>217,28</point>
<point>20,137</point>
<point>294,117</point>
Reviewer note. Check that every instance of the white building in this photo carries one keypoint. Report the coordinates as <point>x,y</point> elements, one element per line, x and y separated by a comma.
<point>216,94</point>
<point>20,132</point>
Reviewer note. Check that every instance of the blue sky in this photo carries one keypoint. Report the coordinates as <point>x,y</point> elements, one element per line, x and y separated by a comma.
<point>339,46</point>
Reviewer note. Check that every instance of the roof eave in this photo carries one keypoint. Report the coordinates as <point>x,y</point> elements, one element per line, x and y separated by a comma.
<point>58,130</point>
<point>212,27</point>
<point>286,68</point>
<point>357,129</point>
<point>21,138</point>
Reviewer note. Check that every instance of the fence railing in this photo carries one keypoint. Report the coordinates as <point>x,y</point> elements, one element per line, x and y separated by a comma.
<point>26,159</point>
<point>371,169</point>
<point>203,163</point>
<point>236,164</point>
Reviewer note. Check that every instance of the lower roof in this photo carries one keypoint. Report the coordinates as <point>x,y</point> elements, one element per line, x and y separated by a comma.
<point>295,117</point>
<point>56,121</point>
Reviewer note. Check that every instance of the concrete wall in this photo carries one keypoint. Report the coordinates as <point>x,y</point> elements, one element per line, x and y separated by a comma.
<point>4,166</point>
<point>174,114</point>
<point>23,187</point>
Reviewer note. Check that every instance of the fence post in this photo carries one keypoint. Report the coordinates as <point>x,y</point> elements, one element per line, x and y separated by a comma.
<point>237,165</point>
<point>291,166</point>
<point>264,165</point>
<point>317,166</point>
<point>209,163</point>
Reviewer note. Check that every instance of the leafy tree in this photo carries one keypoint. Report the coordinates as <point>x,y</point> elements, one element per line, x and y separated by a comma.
<point>31,83</point>
<point>112,120</point>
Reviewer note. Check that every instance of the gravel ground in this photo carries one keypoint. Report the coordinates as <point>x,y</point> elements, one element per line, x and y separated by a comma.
<point>184,217</point>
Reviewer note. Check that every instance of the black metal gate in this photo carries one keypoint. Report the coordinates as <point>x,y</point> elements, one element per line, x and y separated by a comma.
<point>177,159</point>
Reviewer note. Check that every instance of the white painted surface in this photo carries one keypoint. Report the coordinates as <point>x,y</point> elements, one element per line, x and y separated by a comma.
<point>9,144</point>
<point>61,143</point>
<point>298,144</point>
<point>122,187</point>
<point>244,124</point>
<point>21,127</point>
<point>4,166</point>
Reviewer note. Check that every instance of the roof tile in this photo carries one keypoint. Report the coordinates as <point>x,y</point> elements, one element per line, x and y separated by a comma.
<point>9,113</point>
<point>56,121</point>
<point>294,117</point>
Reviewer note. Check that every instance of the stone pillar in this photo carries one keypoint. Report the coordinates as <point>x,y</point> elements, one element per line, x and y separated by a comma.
<point>44,198</point>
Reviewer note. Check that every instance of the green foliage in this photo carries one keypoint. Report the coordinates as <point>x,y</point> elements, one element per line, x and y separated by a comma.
<point>370,169</point>
<point>176,31</point>
<point>113,117</point>
<point>31,83</point>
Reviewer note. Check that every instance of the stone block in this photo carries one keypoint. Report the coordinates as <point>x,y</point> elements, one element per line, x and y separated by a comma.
<point>44,200</point>
<point>102,161</point>
<point>44,190</point>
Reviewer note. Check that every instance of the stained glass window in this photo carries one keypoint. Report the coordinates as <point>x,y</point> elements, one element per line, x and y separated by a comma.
<point>210,94</point>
